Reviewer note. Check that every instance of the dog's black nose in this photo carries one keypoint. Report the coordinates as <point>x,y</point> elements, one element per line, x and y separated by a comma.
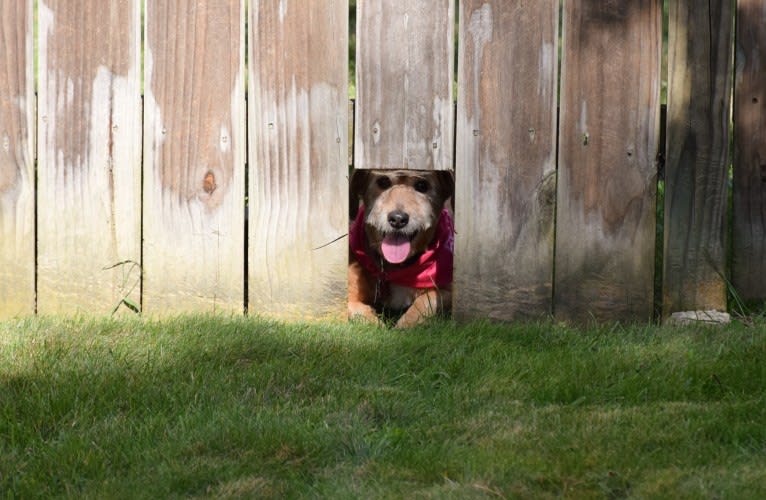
<point>398,219</point>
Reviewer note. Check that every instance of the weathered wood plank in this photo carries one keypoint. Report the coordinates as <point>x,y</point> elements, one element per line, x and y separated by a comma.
<point>89,123</point>
<point>404,64</point>
<point>605,228</point>
<point>749,238</point>
<point>506,158</point>
<point>699,88</point>
<point>298,199</point>
<point>194,156</point>
<point>17,209</point>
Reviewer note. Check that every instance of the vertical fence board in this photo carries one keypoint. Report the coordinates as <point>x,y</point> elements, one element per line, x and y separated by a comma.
<point>404,65</point>
<point>749,238</point>
<point>298,114</point>
<point>506,158</point>
<point>89,124</point>
<point>605,228</point>
<point>194,154</point>
<point>17,212</point>
<point>699,87</point>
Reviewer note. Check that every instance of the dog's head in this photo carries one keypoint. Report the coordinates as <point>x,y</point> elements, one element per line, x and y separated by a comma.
<point>402,209</point>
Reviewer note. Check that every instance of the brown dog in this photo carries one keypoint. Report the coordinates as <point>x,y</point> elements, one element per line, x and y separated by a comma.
<point>401,243</point>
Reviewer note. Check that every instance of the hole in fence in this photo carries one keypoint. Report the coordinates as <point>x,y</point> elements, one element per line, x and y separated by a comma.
<point>763,173</point>
<point>401,239</point>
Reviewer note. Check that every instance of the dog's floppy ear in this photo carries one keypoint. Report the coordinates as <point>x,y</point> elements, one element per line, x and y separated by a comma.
<point>446,179</point>
<point>357,185</point>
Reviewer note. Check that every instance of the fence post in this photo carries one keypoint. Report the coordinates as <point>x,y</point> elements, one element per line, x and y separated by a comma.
<point>608,142</point>
<point>298,116</point>
<point>404,69</point>
<point>749,238</point>
<point>17,210</point>
<point>699,87</point>
<point>89,139</point>
<point>194,156</point>
<point>506,158</point>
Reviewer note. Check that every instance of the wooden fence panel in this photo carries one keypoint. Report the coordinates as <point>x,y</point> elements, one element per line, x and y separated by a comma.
<point>609,134</point>
<point>89,123</point>
<point>404,64</point>
<point>749,238</point>
<point>506,158</point>
<point>194,156</point>
<point>298,197</point>
<point>17,210</point>
<point>699,87</point>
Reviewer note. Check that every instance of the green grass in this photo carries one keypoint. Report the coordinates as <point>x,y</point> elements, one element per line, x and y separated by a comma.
<point>212,407</point>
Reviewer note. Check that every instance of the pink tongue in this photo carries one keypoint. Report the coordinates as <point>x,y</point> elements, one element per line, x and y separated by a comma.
<point>395,248</point>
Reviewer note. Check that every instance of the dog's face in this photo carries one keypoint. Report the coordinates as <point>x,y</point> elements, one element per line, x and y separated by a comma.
<point>402,208</point>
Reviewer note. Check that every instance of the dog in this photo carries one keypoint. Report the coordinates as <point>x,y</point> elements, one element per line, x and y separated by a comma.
<point>401,243</point>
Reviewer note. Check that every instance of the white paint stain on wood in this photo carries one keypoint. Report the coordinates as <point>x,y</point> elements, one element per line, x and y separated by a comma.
<point>44,25</point>
<point>295,205</point>
<point>548,63</point>
<point>480,28</point>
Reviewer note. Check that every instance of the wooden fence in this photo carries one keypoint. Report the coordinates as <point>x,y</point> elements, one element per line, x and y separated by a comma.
<point>163,164</point>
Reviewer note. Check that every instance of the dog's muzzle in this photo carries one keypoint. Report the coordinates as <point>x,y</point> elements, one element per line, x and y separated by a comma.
<point>398,219</point>
<point>396,245</point>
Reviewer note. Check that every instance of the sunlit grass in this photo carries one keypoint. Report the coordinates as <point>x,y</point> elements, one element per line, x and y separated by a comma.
<point>205,406</point>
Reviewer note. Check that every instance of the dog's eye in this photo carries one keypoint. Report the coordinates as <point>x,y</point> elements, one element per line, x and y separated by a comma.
<point>384,182</point>
<point>421,186</point>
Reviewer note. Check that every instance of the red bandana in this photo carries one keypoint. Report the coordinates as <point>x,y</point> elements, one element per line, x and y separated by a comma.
<point>433,268</point>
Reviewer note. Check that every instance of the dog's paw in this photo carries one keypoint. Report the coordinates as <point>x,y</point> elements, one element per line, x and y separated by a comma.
<point>412,318</point>
<point>358,311</point>
<point>426,305</point>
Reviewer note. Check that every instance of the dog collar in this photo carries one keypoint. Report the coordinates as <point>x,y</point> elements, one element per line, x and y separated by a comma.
<point>431,269</point>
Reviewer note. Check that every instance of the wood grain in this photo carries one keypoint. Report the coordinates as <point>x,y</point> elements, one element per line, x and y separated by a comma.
<point>749,238</point>
<point>605,228</point>
<point>404,64</point>
<point>506,158</point>
<point>298,196</point>
<point>699,89</point>
<point>89,123</point>
<point>17,209</point>
<point>194,156</point>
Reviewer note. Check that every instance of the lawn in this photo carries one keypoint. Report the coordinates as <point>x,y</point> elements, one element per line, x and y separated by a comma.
<point>237,407</point>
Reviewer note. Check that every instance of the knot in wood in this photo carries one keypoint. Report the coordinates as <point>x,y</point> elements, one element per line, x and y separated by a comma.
<point>208,183</point>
